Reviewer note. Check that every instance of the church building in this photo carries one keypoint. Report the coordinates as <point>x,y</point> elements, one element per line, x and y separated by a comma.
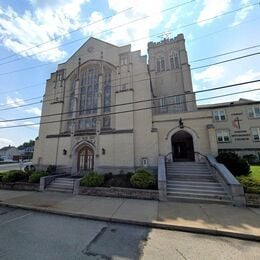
<point>110,109</point>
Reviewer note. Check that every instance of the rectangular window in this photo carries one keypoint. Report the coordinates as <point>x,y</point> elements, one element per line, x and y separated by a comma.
<point>223,136</point>
<point>124,87</point>
<point>256,134</point>
<point>219,115</point>
<point>163,105</point>
<point>123,59</point>
<point>254,112</point>
<point>160,64</point>
<point>172,62</point>
<point>176,61</point>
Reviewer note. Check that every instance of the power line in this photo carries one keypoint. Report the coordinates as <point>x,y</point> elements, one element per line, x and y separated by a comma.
<point>136,102</point>
<point>158,34</point>
<point>198,38</point>
<point>226,53</point>
<point>108,30</point>
<point>126,111</point>
<point>63,35</point>
<point>208,65</point>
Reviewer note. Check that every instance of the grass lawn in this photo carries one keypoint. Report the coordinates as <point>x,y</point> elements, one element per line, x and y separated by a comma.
<point>255,169</point>
<point>251,183</point>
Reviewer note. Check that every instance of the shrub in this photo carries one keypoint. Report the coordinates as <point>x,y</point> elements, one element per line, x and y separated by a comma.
<point>251,158</point>
<point>35,176</point>
<point>13,176</point>
<point>108,176</point>
<point>1,175</point>
<point>51,169</point>
<point>234,163</point>
<point>142,179</point>
<point>92,179</point>
<point>250,185</point>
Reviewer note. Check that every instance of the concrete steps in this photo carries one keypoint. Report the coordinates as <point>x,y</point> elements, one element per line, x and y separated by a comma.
<point>61,185</point>
<point>193,182</point>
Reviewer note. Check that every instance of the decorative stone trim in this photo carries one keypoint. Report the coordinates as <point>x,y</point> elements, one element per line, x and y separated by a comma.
<point>252,200</point>
<point>120,192</point>
<point>20,186</point>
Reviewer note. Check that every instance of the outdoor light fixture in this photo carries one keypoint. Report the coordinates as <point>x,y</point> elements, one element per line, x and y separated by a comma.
<point>64,151</point>
<point>181,123</point>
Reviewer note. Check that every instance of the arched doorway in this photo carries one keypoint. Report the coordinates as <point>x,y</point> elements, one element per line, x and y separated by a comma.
<point>85,159</point>
<point>182,146</point>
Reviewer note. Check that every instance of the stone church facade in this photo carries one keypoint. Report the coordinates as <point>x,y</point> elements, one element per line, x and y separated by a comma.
<point>107,109</point>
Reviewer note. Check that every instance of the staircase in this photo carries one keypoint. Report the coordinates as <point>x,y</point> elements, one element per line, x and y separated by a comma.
<point>61,185</point>
<point>193,182</point>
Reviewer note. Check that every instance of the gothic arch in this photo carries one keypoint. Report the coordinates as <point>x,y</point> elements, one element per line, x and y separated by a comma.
<point>193,133</point>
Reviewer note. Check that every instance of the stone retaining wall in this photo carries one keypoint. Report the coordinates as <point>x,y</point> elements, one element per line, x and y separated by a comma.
<point>252,200</point>
<point>20,186</point>
<point>120,192</point>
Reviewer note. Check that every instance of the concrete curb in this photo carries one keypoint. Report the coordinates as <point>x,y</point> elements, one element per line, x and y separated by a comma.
<point>159,225</point>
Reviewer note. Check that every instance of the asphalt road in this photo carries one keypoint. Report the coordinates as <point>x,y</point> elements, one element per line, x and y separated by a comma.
<point>33,235</point>
<point>13,166</point>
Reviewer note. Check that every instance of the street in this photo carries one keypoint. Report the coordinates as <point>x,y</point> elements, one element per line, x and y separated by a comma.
<point>13,166</point>
<point>32,235</point>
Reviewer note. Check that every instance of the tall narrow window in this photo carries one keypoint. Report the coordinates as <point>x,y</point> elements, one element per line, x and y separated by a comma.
<point>107,91</point>
<point>176,60</point>
<point>172,62</point>
<point>160,64</point>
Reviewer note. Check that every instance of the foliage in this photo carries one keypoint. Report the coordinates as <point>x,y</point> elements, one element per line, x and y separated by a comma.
<point>92,179</point>
<point>250,184</point>
<point>35,176</point>
<point>142,179</point>
<point>234,163</point>
<point>13,176</point>
<point>51,169</point>
<point>108,176</point>
<point>119,180</point>
<point>251,158</point>
<point>29,169</point>
<point>26,144</point>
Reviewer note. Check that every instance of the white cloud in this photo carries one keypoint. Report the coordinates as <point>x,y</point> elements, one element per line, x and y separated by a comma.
<point>210,74</point>
<point>212,8</point>
<point>242,14</point>
<point>14,102</point>
<point>173,19</point>
<point>5,142</point>
<point>247,76</point>
<point>48,21</point>
<point>35,110</point>
<point>127,30</point>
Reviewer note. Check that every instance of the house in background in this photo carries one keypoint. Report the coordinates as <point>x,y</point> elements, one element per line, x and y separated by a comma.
<point>9,153</point>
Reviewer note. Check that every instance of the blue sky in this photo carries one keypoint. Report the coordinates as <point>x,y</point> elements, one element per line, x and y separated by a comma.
<point>26,24</point>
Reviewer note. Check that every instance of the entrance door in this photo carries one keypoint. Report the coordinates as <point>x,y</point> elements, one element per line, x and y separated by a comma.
<point>85,160</point>
<point>182,147</point>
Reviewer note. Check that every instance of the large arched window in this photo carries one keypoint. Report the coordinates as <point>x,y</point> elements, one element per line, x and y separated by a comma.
<point>88,96</point>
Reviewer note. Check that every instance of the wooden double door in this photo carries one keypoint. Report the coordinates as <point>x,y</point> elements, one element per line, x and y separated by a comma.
<point>85,160</point>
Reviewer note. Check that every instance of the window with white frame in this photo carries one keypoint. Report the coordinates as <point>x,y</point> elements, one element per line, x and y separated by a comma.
<point>160,64</point>
<point>223,136</point>
<point>219,115</point>
<point>256,134</point>
<point>254,112</point>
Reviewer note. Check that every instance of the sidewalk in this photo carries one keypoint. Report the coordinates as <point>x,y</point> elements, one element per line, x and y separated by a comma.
<point>212,219</point>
